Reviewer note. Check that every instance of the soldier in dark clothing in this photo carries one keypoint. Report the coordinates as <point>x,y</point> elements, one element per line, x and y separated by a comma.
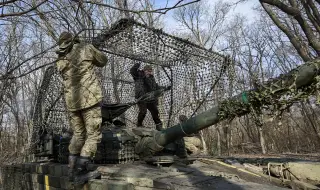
<point>144,83</point>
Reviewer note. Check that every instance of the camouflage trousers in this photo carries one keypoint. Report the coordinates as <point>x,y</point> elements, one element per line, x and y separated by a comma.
<point>86,126</point>
<point>193,144</point>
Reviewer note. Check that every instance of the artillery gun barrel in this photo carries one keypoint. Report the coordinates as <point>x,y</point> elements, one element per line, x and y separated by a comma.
<point>239,105</point>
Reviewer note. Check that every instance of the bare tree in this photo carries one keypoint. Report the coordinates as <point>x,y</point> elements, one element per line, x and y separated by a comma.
<point>202,22</point>
<point>300,21</point>
<point>13,8</point>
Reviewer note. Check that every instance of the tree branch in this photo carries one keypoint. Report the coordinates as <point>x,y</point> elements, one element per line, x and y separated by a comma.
<point>314,10</point>
<point>30,58</point>
<point>160,10</point>
<point>295,42</point>
<point>23,12</point>
<point>311,16</point>
<point>293,3</point>
<point>312,39</point>
<point>7,2</point>
<point>5,77</point>
<point>289,10</point>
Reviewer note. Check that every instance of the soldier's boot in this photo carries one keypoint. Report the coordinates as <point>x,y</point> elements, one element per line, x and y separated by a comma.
<point>159,126</point>
<point>181,151</point>
<point>83,175</point>
<point>72,160</point>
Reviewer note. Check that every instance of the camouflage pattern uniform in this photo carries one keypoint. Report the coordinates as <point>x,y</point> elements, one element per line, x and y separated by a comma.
<point>193,144</point>
<point>82,93</point>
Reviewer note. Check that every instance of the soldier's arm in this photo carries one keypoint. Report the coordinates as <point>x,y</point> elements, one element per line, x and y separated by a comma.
<point>134,70</point>
<point>99,58</point>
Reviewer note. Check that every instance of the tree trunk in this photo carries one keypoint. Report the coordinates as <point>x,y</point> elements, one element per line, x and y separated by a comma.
<point>262,141</point>
<point>258,120</point>
<point>218,142</point>
<point>227,136</point>
<point>204,145</point>
<point>312,122</point>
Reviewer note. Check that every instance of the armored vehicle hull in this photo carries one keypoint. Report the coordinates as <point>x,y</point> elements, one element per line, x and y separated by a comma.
<point>203,174</point>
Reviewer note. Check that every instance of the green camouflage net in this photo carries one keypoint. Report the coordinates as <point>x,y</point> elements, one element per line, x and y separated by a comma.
<point>276,95</point>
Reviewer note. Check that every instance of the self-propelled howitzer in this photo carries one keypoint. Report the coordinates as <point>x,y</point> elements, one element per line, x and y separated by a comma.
<point>296,81</point>
<point>121,144</point>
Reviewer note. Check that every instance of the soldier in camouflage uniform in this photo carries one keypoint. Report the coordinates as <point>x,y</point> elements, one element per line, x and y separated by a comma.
<point>144,83</point>
<point>181,151</point>
<point>83,95</point>
<point>192,142</point>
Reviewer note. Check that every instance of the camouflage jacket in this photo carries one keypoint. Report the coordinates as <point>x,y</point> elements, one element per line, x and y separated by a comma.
<point>142,83</point>
<point>81,85</point>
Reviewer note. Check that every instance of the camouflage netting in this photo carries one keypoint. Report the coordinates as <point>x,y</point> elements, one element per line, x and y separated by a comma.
<point>192,72</point>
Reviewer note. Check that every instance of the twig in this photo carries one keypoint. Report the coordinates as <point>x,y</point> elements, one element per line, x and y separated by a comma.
<point>160,10</point>
<point>23,12</point>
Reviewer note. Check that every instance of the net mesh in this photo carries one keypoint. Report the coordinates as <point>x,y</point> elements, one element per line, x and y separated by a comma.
<point>191,70</point>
